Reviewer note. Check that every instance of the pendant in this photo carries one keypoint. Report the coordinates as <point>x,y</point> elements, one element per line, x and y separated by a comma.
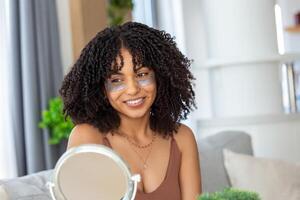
<point>145,166</point>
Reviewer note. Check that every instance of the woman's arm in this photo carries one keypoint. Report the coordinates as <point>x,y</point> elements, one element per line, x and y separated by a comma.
<point>190,176</point>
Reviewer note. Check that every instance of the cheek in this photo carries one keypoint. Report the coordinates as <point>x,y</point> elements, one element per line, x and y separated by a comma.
<point>151,89</point>
<point>112,98</point>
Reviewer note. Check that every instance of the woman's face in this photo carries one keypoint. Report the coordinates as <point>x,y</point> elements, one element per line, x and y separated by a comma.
<point>131,93</point>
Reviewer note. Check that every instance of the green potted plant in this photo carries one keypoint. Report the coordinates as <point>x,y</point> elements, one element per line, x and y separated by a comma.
<point>118,10</point>
<point>54,120</point>
<point>230,194</point>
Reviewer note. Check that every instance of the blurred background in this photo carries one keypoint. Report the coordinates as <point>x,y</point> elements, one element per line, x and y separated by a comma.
<point>246,60</point>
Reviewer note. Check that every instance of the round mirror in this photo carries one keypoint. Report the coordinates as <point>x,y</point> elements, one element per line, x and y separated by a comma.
<point>92,172</point>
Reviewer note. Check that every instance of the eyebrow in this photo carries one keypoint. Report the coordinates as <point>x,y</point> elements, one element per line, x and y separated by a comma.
<point>120,73</point>
<point>141,68</point>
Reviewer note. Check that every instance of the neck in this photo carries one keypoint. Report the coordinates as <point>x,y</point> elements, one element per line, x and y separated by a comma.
<point>135,128</point>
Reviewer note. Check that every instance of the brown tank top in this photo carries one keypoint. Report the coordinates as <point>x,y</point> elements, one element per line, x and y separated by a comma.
<point>169,189</point>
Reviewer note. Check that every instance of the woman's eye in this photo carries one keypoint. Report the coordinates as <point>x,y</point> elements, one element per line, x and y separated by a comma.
<point>143,74</point>
<point>116,80</point>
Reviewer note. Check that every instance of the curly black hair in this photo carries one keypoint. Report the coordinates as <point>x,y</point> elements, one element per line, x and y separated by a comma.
<point>83,92</point>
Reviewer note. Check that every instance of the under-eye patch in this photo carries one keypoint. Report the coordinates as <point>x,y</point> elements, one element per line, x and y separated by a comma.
<point>113,87</point>
<point>145,78</point>
<point>142,79</point>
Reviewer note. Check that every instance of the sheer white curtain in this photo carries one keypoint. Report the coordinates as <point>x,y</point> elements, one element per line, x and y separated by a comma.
<point>7,151</point>
<point>144,12</point>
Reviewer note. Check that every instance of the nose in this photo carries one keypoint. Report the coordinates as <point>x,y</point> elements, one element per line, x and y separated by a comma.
<point>132,87</point>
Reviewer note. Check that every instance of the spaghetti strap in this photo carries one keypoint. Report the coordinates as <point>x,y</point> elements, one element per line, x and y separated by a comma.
<point>106,142</point>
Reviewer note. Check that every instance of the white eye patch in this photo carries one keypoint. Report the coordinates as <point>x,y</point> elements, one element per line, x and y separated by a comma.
<point>142,79</point>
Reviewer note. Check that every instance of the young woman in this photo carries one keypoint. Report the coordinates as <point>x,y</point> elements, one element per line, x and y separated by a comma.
<point>128,90</point>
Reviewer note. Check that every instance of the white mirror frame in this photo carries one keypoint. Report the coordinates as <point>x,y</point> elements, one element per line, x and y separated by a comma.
<point>54,186</point>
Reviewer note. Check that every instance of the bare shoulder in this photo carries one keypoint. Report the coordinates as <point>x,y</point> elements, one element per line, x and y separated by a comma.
<point>185,138</point>
<point>84,134</point>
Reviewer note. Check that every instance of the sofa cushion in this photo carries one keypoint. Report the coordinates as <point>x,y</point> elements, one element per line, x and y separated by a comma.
<point>271,179</point>
<point>30,187</point>
<point>214,176</point>
<point>3,193</point>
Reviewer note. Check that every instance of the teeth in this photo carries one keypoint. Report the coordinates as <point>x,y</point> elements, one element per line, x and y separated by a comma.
<point>134,102</point>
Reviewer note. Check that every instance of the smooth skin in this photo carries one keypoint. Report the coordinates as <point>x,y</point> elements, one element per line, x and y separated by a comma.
<point>135,124</point>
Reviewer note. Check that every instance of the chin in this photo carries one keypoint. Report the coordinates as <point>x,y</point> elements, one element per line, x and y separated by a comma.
<point>135,114</point>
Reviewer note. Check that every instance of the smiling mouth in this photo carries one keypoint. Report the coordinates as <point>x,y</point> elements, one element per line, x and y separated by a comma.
<point>135,102</point>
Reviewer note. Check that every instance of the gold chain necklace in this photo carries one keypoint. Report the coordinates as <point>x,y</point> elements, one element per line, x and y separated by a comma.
<point>144,161</point>
<point>133,144</point>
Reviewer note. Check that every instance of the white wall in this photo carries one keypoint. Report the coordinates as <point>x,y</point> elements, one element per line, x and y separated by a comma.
<point>246,93</point>
<point>196,49</point>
